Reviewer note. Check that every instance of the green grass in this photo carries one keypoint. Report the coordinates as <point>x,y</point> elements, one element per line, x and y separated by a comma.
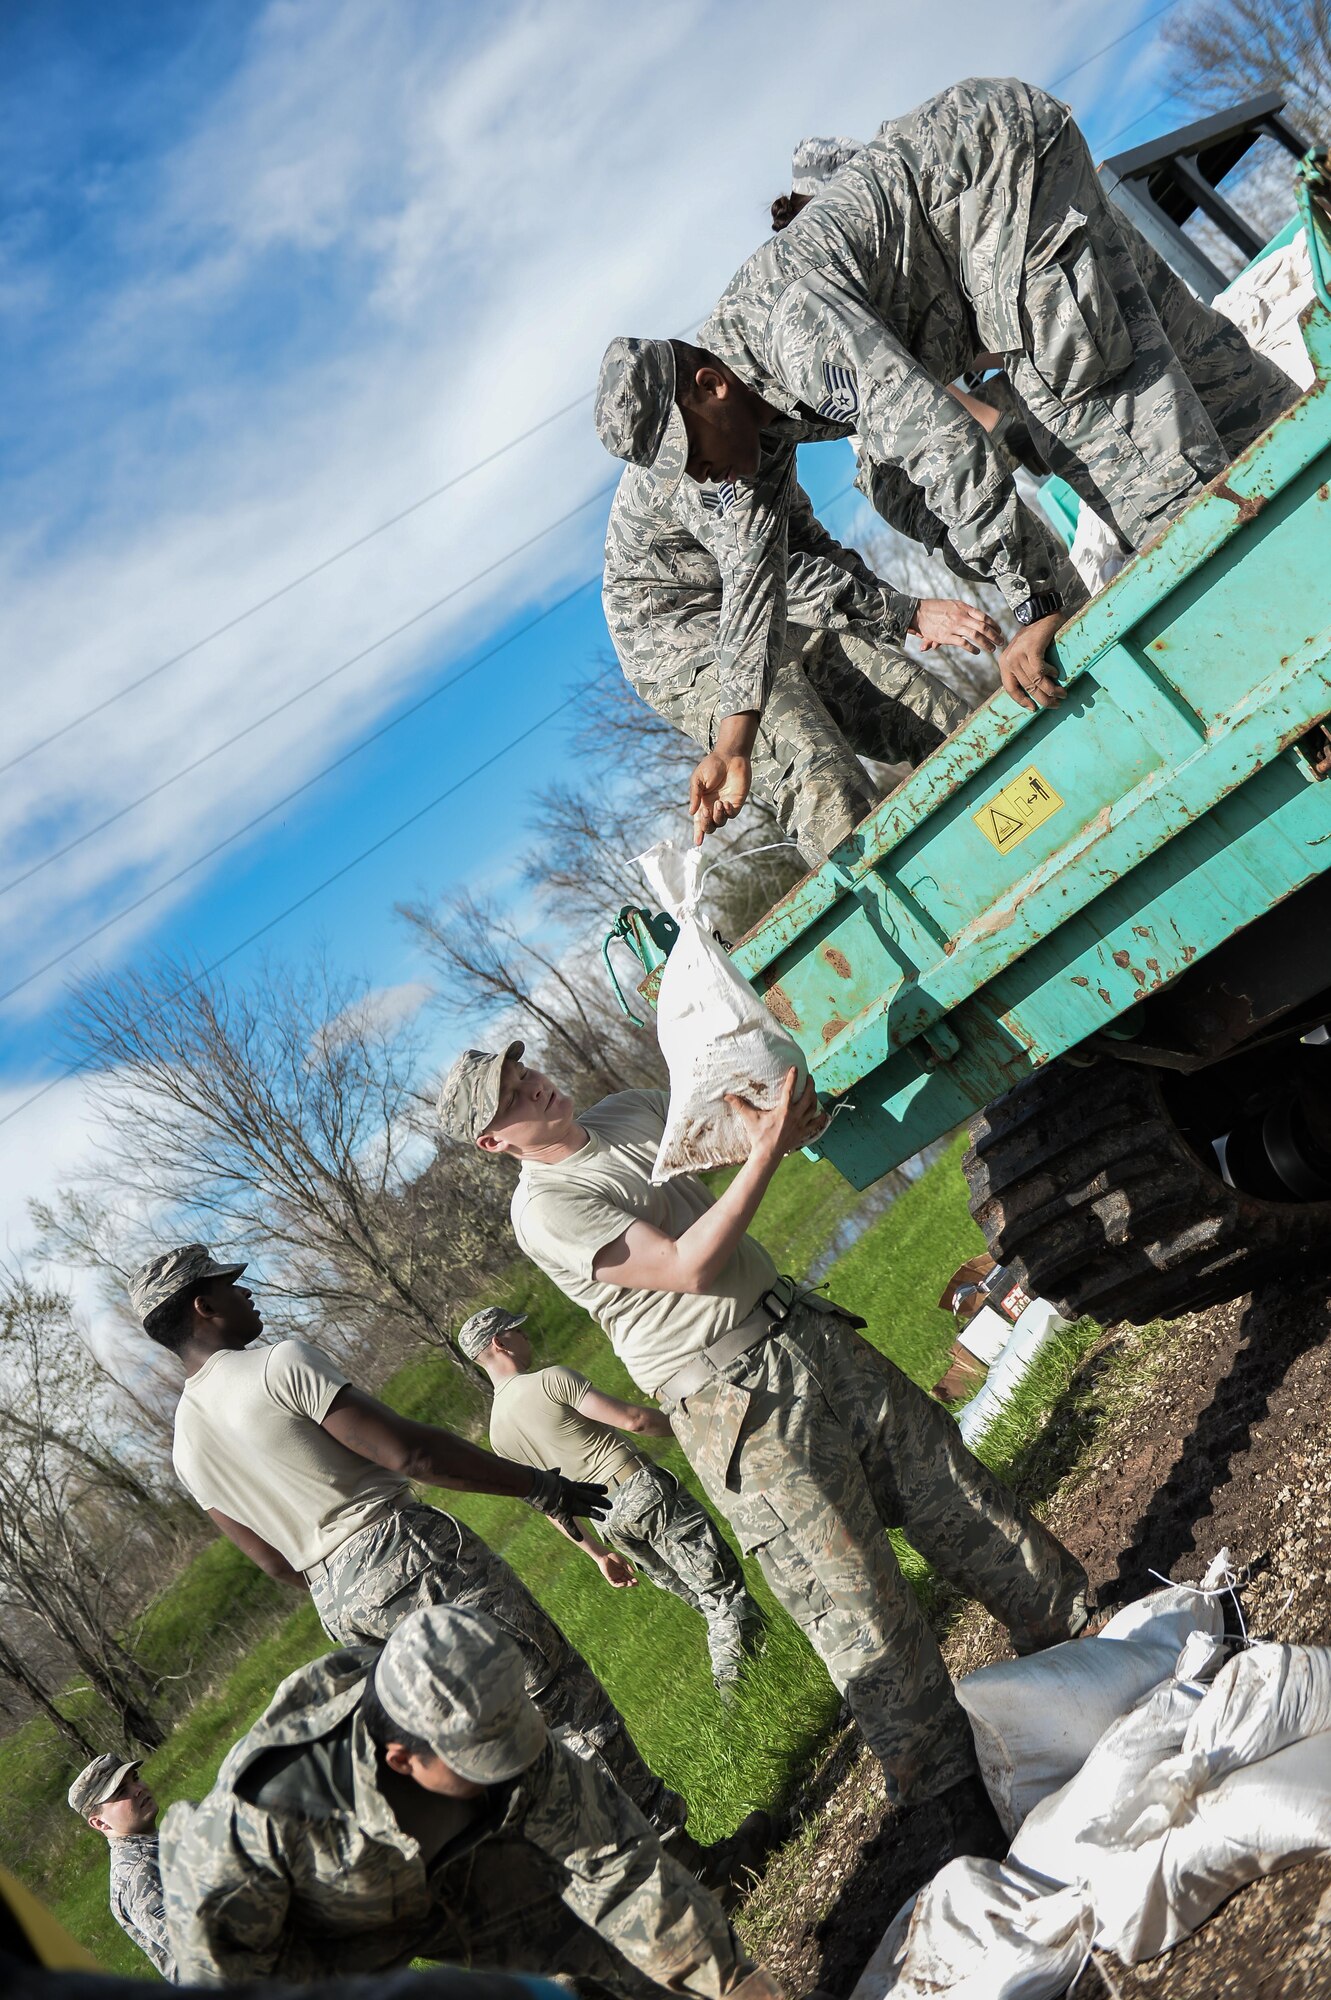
<point>646,1647</point>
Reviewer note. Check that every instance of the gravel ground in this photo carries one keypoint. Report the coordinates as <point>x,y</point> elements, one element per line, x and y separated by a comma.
<point>1219,1438</point>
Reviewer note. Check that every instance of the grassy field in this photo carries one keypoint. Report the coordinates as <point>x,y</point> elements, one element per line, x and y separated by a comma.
<point>646,1647</point>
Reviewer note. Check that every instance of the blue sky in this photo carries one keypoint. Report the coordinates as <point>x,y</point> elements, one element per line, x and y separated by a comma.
<point>270,273</point>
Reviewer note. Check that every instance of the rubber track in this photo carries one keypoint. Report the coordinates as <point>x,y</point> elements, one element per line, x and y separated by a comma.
<point>1081,1181</point>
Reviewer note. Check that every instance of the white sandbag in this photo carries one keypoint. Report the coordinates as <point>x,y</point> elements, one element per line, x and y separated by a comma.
<point>1036,1720</point>
<point>714,1031</point>
<point>1264,1700</point>
<point>1265,302</point>
<point>1180,1804</point>
<point>1055,1840</point>
<point>982,1930</point>
<point>985,1335</point>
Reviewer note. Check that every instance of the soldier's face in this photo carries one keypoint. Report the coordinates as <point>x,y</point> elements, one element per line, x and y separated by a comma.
<point>532,1111</point>
<point>723,422</point>
<point>132,1810</point>
<point>233,1306</point>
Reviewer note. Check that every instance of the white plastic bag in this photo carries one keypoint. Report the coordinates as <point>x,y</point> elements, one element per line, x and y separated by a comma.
<point>1035,1721</point>
<point>1034,1330</point>
<point>1265,301</point>
<point>982,1930</point>
<point>715,1033</point>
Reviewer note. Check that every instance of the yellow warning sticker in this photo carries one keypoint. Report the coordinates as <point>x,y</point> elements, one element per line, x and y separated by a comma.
<point>1021,806</point>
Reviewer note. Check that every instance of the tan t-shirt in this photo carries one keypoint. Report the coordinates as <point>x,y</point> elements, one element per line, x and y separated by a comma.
<point>535,1420</point>
<point>250,1441</point>
<point>564,1216</point>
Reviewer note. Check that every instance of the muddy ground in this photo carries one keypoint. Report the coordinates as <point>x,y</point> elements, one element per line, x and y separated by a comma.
<point>1219,1439</point>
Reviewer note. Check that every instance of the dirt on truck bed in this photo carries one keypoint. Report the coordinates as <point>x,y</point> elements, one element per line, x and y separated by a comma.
<point>1221,1440</point>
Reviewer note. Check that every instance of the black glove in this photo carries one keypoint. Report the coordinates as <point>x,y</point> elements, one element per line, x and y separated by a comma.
<point>564,1499</point>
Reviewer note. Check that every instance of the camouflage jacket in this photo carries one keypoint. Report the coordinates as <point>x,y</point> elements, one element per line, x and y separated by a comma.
<point>889,284</point>
<point>136,1897</point>
<point>711,574</point>
<point>339,1886</point>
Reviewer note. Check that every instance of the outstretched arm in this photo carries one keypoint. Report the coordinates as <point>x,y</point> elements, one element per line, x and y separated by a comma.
<point>437,1457</point>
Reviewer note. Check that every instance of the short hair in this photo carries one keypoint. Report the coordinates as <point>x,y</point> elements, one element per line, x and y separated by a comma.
<point>169,1324</point>
<point>786,207</point>
<point>688,360</point>
<point>383,1730</point>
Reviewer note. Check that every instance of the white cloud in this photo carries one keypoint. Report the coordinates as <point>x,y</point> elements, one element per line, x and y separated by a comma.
<point>453,209</point>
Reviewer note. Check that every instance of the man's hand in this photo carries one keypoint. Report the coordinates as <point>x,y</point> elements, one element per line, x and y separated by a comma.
<point>1031,681</point>
<point>717,790</point>
<point>791,1122</point>
<point>565,1499</point>
<point>618,1570</point>
<point>946,621</point>
<point>720,783</point>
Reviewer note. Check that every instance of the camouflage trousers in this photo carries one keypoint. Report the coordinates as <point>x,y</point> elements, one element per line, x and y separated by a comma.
<point>813,1445</point>
<point>675,1544</point>
<point>420,1555</point>
<point>1137,393</point>
<point>835,697</point>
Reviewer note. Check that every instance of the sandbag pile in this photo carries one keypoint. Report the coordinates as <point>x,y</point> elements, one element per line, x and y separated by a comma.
<point>1190,1793</point>
<point>714,1031</point>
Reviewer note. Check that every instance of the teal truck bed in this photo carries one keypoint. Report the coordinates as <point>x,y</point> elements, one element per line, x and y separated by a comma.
<point>1051,882</point>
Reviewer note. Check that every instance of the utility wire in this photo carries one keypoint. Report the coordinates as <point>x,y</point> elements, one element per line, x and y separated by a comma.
<point>311,687</point>
<point>1126,36</point>
<point>364,854</point>
<point>353,750</point>
<point>1141,117</point>
<point>75,1069</point>
<point>251,610</point>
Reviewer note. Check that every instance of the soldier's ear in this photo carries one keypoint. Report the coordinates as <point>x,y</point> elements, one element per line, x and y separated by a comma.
<point>398,1758</point>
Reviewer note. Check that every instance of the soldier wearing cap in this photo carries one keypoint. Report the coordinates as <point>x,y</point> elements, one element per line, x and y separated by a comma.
<point>708,610</point>
<point>309,1477</point>
<point>413,1804</point>
<point>974,227</point>
<point>808,1440</point>
<point>112,1797</point>
<point>553,1417</point>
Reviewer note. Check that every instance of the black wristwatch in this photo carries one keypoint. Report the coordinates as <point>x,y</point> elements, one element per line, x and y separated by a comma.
<point>1035,608</point>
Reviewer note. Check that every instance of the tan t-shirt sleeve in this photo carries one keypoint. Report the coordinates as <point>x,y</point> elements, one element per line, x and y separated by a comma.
<point>564,1386</point>
<point>566,1229</point>
<point>302,1379</point>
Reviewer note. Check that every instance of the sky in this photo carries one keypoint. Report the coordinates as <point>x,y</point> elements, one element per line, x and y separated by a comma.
<point>270,277</point>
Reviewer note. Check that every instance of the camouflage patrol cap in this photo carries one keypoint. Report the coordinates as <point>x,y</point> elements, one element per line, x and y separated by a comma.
<point>469,1094</point>
<point>100,1781</point>
<point>637,417</point>
<point>475,1334</point>
<point>452,1678</point>
<point>166,1277</point>
<point>816,160</point>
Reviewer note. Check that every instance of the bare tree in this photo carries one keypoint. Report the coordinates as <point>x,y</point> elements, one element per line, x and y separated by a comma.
<point>1233,49</point>
<point>283,1119</point>
<point>62,1564</point>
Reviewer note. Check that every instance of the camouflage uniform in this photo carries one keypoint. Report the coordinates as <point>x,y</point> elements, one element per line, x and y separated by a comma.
<point>309,1856</point>
<point>812,1445</point>
<point>975,224</point>
<point>675,1544</point>
<point>136,1897</point>
<point>419,1556</point>
<point>699,584</point>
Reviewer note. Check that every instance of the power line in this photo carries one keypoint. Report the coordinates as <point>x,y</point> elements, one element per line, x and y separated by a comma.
<point>301,694</point>
<point>257,819</point>
<point>364,854</point>
<point>262,604</point>
<point>1141,117</point>
<point>1126,36</point>
<point>75,1069</point>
